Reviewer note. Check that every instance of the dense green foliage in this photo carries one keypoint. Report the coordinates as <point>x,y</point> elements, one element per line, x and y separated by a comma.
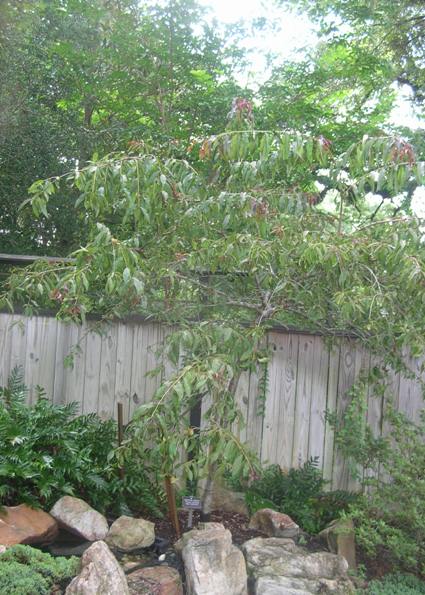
<point>397,584</point>
<point>394,30</point>
<point>46,452</point>
<point>25,570</point>
<point>300,493</point>
<point>338,91</point>
<point>91,76</point>
<point>390,518</point>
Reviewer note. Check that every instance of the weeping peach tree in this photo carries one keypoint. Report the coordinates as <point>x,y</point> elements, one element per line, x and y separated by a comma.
<point>224,244</point>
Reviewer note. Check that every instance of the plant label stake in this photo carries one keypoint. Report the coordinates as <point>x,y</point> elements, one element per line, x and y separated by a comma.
<point>190,503</point>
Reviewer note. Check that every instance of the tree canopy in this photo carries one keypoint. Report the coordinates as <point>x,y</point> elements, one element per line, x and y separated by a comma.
<point>91,77</point>
<point>392,30</point>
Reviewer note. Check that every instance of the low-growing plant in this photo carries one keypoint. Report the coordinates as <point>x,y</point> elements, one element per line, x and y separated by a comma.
<point>25,570</point>
<point>397,584</point>
<point>300,493</point>
<point>46,452</point>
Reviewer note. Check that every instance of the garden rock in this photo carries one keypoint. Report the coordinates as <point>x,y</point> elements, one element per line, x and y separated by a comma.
<point>100,574</point>
<point>273,523</point>
<point>339,536</point>
<point>22,524</point>
<point>227,500</point>
<point>127,534</point>
<point>213,565</point>
<point>155,580</point>
<point>278,566</point>
<point>79,518</point>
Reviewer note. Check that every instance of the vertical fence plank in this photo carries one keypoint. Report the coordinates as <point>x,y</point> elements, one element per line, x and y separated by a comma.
<point>279,416</point>
<point>93,352</point>
<point>40,355</point>
<point>153,360</point>
<point>18,342</point>
<point>146,340</point>
<point>255,411</point>
<point>374,404</point>
<point>331,407</point>
<point>5,322</point>
<point>410,395</point>
<point>303,400</point>
<point>62,349</point>
<point>241,399</point>
<point>125,337</point>
<point>346,378</point>
<point>74,373</point>
<point>353,360</point>
<point>391,398</point>
<point>318,399</point>
<point>108,359</point>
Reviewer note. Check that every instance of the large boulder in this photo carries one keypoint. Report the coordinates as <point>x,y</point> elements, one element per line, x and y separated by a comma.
<point>127,534</point>
<point>273,523</point>
<point>221,498</point>
<point>213,565</point>
<point>278,566</point>
<point>100,574</point>
<point>22,524</point>
<point>155,580</point>
<point>339,537</point>
<point>80,518</point>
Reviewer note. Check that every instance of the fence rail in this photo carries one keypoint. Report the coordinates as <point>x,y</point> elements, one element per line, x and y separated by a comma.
<point>304,378</point>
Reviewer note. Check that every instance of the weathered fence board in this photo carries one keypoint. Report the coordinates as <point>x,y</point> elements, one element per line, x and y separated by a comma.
<point>304,378</point>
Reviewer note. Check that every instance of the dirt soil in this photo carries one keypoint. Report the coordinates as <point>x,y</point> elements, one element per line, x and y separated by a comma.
<point>236,523</point>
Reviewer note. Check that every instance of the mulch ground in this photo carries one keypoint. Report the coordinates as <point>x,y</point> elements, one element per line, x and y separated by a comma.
<point>236,523</point>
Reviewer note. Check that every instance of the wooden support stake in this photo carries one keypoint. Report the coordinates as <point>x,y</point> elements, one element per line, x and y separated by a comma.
<point>172,507</point>
<point>120,432</point>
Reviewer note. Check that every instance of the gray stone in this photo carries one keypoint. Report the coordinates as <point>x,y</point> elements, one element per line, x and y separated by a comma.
<point>273,523</point>
<point>339,537</point>
<point>193,533</point>
<point>281,585</point>
<point>213,565</point>
<point>277,565</point>
<point>100,574</point>
<point>127,534</point>
<point>79,518</point>
<point>221,498</point>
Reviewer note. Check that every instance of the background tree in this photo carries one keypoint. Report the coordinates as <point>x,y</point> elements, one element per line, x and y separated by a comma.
<point>339,91</point>
<point>92,76</point>
<point>393,30</point>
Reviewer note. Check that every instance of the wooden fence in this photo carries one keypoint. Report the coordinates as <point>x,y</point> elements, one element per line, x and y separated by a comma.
<point>304,378</point>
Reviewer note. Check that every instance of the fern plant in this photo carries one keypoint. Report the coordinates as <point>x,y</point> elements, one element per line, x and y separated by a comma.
<point>300,493</point>
<point>47,452</point>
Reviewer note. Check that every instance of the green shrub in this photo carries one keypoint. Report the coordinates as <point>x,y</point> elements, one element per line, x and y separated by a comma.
<point>390,518</point>
<point>46,452</point>
<point>397,584</point>
<point>27,571</point>
<point>300,494</point>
